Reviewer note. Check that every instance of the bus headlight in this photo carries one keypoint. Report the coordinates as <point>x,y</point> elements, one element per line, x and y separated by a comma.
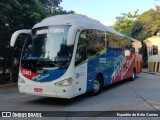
<point>65,82</point>
<point>20,80</point>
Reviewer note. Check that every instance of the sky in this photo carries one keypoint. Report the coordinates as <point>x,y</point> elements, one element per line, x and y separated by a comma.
<point>106,11</point>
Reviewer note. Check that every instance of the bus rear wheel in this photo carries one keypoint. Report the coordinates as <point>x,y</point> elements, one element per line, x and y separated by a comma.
<point>97,86</point>
<point>133,75</point>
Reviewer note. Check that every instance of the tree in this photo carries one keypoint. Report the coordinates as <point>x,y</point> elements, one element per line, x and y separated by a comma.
<point>20,14</point>
<point>16,14</point>
<point>125,22</point>
<point>52,7</point>
<point>146,25</point>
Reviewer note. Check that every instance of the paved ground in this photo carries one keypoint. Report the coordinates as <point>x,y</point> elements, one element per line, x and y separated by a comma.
<point>141,94</point>
<point>154,73</point>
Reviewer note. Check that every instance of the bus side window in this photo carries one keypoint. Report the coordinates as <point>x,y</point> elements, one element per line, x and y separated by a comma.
<point>95,42</point>
<point>90,43</point>
<point>114,42</point>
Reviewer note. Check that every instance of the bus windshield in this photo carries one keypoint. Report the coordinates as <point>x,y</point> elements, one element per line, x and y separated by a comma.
<point>47,48</point>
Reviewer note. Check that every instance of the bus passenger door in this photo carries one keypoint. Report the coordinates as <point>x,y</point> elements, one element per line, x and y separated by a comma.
<point>80,75</point>
<point>80,79</point>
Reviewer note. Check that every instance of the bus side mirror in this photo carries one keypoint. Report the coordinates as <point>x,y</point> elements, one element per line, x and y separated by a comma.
<point>15,35</point>
<point>71,35</point>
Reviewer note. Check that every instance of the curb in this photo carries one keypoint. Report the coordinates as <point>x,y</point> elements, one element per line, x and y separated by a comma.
<point>8,85</point>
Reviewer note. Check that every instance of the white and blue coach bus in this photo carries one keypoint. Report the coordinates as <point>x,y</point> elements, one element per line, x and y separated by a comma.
<point>68,55</point>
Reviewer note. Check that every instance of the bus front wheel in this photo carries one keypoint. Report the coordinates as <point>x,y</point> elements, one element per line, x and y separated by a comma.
<point>97,86</point>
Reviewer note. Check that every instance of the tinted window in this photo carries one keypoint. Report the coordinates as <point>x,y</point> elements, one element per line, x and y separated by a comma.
<point>95,42</point>
<point>90,43</point>
<point>117,43</point>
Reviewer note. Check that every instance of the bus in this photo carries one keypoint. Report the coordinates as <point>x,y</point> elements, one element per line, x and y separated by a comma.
<point>65,56</point>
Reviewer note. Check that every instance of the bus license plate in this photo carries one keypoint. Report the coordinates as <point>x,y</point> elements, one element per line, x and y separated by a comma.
<point>38,90</point>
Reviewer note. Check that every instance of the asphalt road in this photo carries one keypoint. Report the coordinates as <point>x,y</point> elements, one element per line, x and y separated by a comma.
<point>142,94</point>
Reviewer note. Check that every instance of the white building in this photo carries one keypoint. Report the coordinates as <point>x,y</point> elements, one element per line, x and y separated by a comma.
<point>153,50</point>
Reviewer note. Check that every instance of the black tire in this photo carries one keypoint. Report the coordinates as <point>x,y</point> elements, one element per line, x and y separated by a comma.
<point>133,75</point>
<point>97,86</point>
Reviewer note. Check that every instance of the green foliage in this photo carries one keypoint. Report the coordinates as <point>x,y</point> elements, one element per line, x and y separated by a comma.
<point>125,22</point>
<point>124,26</point>
<point>18,14</point>
<point>146,25</point>
<point>22,14</point>
<point>131,16</point>
<point>52,7</point>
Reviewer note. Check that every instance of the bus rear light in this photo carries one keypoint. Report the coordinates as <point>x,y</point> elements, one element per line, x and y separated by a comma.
<point>20,80</point>
<point>65,82</point>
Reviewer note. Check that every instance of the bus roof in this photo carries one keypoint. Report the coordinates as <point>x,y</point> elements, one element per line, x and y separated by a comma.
<point>78,20</point>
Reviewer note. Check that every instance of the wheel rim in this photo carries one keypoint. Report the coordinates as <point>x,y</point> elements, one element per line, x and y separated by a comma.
<point>133,75</point>
<point>96,86</point>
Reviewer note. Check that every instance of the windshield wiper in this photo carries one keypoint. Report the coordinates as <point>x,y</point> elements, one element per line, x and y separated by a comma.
<point>42,63</point>
<point>48,63</point>
<point>27,63</point>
